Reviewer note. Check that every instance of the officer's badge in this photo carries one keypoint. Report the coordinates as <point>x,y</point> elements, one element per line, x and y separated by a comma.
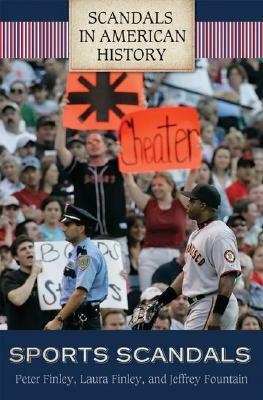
<point>83,262</point>
<point>229,256</point>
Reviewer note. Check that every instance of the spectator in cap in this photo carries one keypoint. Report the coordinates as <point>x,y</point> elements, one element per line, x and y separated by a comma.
<point>19,94</point>
<point>249,322</point>
<point>113,319</point>
<point>12,125</point>
<point>8,219</point>
<point>240,188</point>
<point>41,104</point>
<point>165,211</point>
<point>10,169</point>
<point>51,230</point>
<point>31,197</point>
<point>85,280</point>
<point>45,133</point>
<point>237,223</point>
<point>248,209</point>
<point>26,145</point>
<point>76,146</point>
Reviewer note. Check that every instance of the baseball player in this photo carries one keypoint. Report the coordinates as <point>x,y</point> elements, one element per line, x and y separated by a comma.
<point>208,276</point>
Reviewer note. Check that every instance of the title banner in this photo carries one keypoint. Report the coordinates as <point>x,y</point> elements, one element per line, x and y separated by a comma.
<point>155,35</point>
<point>113,365</point>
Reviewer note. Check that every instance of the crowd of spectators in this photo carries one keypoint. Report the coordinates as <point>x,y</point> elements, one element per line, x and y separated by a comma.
<point>44,166</point>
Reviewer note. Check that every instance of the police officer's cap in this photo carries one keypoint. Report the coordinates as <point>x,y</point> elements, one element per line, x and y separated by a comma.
<point>79,216</point>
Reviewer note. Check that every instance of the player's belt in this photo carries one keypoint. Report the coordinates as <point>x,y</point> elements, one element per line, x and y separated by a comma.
<point>193,300</point>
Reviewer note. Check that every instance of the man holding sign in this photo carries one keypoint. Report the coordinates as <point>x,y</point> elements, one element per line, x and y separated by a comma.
<point>85,280</point>
<point>98,186</point>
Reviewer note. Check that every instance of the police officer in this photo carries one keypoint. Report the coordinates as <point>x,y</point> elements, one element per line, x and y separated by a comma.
<point>85,280</point>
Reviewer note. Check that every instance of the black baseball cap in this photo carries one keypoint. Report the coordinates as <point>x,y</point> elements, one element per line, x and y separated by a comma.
<point>44,120</point>
<point>207,194</point>
<point>39,86</point>
<point>75,140</point>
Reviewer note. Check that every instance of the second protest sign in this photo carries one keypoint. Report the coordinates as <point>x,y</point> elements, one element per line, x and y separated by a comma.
<point>53,256</point>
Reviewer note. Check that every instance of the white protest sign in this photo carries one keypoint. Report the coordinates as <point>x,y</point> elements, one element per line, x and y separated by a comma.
<point>53,256</point>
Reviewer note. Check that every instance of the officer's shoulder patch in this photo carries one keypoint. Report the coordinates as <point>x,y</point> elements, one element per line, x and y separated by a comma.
<point>229,256</point>
<point>83,262</point>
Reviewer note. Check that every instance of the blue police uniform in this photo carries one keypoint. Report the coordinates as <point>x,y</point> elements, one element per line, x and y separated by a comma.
<point>86,269</point>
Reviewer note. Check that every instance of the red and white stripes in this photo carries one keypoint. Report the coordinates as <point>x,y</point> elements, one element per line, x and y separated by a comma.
<point>33,39</point>
<point>51,40</point>
<point>229,40</point>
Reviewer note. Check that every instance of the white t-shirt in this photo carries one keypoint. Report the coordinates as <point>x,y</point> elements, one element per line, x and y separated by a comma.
<point>210,253</point>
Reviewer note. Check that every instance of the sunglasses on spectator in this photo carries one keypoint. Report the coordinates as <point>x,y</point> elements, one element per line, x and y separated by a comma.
<point>240,223</point>
<point>12,207</point>
<point>14,90</point>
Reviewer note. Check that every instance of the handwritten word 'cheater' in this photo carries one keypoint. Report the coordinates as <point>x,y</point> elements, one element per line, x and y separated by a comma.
<point>160,139</point>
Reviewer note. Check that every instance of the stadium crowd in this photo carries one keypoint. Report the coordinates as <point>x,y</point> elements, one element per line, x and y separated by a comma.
<point>44,166</point>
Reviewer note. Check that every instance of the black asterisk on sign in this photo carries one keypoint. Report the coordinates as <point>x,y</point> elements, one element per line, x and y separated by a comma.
<point>102,98</point>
